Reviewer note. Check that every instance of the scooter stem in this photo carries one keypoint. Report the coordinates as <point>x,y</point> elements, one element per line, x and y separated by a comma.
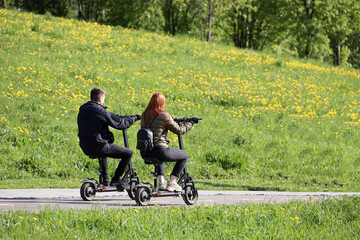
<point>181,143</point>
<point>126,140</point>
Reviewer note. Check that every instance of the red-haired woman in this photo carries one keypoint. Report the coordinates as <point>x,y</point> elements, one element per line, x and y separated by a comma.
<point>161,122</point>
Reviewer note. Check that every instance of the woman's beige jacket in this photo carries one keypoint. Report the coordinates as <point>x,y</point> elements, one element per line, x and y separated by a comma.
<point>160,126</point>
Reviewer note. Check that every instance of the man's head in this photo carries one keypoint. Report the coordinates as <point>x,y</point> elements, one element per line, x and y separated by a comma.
<point>98,95</point>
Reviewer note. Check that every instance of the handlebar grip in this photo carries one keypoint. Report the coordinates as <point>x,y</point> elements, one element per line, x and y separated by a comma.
<point>193,120</point>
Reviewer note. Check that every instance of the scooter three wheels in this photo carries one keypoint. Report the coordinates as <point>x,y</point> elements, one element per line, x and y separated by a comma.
<point>91,186</point>
<point>145,191</point>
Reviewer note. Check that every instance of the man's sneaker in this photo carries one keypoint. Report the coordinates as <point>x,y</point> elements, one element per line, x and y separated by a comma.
<point>113,182</point>
<point>120,185</point>
<point>105,180</point>
<point>163,186</point>
<point>105,183</point>
<point>173,187</point>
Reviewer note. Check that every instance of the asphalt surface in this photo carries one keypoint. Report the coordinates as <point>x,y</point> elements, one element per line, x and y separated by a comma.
<point>41,199</point>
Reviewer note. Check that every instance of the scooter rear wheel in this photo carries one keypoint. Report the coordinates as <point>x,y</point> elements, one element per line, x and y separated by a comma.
<point>87,191</point>
<point>131,191</point>
<point>191,195</point>
<point>142,196</point>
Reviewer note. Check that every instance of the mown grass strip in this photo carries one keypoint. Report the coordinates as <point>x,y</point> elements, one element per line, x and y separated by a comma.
<point>327,219</point>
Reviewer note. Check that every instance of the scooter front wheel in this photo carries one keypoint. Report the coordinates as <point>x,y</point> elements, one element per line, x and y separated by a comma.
<point>191,195</point>
<point>142,196</point>
<point>87,191</point>
<point>131,191</point>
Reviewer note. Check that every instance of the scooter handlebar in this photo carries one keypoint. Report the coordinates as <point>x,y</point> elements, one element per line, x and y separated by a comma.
<point>192,120</point>
<point>136,116</point>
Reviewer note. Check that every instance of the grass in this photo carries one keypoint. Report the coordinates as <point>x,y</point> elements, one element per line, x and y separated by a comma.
<point>269,122</point>
<point>327,219</point>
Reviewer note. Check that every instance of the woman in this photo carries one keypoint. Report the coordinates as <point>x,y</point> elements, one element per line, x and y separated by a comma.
<point>160,122</point>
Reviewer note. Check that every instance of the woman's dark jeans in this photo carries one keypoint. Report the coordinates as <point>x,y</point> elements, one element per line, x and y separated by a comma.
<point>168,155</point>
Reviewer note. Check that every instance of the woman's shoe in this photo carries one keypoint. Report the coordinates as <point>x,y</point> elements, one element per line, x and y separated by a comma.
<point>173,187</point>
<point>163,186</point>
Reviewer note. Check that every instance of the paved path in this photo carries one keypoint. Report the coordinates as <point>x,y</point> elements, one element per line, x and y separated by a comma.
<point>38,199</point>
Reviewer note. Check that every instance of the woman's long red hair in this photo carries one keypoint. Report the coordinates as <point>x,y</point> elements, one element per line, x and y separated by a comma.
<point>155,106</point>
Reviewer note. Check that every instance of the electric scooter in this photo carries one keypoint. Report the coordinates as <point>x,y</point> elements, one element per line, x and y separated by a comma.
<point>145,191</point>
<point>91,186</point>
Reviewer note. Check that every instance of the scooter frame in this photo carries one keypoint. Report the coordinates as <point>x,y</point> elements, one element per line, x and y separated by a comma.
<point>91,186</point>
<point>145,191</point>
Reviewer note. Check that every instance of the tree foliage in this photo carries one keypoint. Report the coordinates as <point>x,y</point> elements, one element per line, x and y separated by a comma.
<point>59,8</point>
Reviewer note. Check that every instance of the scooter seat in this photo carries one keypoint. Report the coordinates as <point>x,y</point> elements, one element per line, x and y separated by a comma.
<point>151,160</point>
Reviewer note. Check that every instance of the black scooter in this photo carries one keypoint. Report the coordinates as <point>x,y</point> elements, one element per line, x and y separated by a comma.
<point>91,186</point>
<point>145,191</point>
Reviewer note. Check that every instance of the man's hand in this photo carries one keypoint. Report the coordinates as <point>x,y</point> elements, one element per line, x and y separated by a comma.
<point>137,117</point>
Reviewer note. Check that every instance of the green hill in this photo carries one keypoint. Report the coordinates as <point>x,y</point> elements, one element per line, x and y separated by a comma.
<point>269,123</point>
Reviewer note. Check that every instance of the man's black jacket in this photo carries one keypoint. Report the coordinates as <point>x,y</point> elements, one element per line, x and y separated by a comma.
<point>93,121</point>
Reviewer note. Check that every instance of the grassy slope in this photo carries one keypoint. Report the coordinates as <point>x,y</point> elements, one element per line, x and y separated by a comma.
<point>269,123</point>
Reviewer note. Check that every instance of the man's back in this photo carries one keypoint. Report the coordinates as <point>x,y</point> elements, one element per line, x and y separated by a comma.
<point>91,122</point>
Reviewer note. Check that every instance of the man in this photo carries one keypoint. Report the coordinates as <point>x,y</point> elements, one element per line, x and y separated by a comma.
<point>97,141</point>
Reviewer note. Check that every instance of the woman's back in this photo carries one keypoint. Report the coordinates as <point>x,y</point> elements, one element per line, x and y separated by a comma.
<point>160,124</point>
